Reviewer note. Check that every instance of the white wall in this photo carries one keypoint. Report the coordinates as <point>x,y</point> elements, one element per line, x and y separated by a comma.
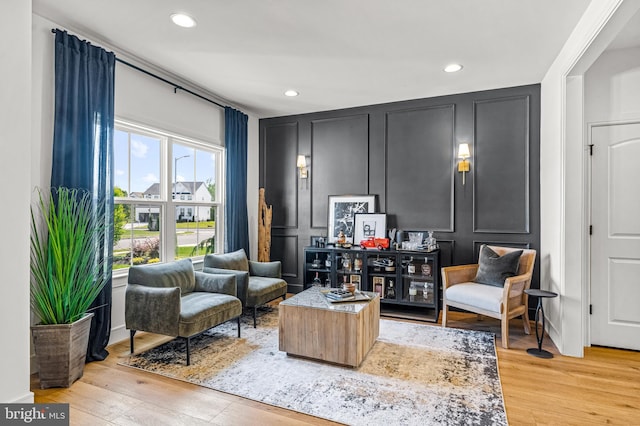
<point>140,99</point>
<point>252,184</point>
<point>612,87</point>
<point>563,242</point>
<point>15,163</point>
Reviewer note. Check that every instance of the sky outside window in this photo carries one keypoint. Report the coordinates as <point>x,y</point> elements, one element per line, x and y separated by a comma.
<point>144,154</point>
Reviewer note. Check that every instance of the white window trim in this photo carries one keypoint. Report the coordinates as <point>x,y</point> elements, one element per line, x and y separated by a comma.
<point>165,201</point>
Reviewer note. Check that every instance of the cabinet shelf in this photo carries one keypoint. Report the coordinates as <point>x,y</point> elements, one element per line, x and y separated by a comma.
<point>382,274</point>
<point>418,277</point>
<point>373,277</point>
<point>318,270</point>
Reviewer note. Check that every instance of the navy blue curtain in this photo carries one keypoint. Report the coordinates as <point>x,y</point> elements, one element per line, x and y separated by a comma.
<point>235,217</point>
<point>83,150</point>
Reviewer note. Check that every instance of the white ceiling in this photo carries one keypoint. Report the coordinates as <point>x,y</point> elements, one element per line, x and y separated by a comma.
<point>336,53</point>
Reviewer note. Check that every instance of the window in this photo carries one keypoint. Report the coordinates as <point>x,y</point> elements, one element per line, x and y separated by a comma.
<point>154,173</point>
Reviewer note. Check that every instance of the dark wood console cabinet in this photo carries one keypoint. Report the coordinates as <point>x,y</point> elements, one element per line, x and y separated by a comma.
<point>408,281</point>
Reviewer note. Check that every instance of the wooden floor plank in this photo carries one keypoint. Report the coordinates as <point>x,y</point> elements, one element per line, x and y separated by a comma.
<point>601,388</point>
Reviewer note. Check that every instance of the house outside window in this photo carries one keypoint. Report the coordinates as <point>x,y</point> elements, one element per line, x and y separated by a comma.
<point>152,171</point>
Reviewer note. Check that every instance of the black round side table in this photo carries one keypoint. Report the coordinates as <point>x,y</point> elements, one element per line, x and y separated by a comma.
<point>540,294</point>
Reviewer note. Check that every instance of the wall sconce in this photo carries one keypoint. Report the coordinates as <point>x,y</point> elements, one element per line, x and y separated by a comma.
<point>463,155</point>
<point>301,164</point>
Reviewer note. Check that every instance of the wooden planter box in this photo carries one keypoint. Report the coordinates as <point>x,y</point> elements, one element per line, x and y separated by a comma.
<point>61,350</point>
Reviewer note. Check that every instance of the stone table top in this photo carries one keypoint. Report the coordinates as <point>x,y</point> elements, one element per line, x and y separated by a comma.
<point>314,297</point>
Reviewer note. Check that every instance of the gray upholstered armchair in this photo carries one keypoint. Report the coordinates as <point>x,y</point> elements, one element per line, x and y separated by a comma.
<point>174,300</point>
<point>258,282</point>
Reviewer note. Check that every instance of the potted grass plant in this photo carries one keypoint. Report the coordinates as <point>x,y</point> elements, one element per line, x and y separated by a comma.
<point>66,277</point>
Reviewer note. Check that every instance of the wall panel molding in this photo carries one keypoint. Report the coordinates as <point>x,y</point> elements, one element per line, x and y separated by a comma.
<point>512,244</point>
<point>285,248</point>
<point>342,142</point>
<point>500,165</point>
<point>279,175</point>
<point>419,169</point>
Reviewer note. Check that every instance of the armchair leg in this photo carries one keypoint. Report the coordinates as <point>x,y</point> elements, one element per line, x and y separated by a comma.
<point>445,310</point>
<point>238,319</point>
<point>505,333</point>
<point>131,334</point>
<point>188,351</point>
<point>255,312</point>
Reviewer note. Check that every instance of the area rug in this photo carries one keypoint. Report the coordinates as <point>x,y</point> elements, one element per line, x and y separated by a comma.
<point>414,375</point>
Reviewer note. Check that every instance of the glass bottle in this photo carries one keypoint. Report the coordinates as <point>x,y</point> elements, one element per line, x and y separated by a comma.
<point>327,261</point>
<point>391,290</point>
<point>357,263</point>
<point>346,262</point>
<point>413,291</point>
<point>316,262</point>
<point>327,282</point>
<point>316,281</point>
<point>411,268</point>
<point>430,242</point>
<point>427,292</point>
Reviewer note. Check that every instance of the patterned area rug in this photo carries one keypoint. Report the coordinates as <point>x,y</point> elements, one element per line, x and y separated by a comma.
<point>414,375</point>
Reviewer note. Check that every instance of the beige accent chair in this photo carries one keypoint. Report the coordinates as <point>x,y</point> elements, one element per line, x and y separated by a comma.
<point>502,303</point>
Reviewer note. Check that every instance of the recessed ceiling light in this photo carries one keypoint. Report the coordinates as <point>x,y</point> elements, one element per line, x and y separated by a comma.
<point>291,93</point>
<point>453,68</point>
<point>182,20</point>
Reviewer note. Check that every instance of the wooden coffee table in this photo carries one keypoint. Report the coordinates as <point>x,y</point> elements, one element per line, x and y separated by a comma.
<point>341,333</point>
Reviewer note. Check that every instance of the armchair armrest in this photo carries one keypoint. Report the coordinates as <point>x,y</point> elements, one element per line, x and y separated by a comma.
<point>452,275</point>
<point>265,269</point>
<point>514,288</point>
<point>153,309</point>
<point>242,280</point>
<point>216,283</point>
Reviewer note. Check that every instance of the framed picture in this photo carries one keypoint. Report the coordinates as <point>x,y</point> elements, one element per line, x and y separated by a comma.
<point>378,286</point>
<point>369,225</point>
<point>342,211</point>
<point>355,279</point>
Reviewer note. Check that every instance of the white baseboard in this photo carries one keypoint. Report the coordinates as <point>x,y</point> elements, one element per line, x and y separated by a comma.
<point>25,399</point>
<point>118,334</point>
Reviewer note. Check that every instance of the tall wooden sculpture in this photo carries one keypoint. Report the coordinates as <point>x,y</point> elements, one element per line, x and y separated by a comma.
<point>264,229</point>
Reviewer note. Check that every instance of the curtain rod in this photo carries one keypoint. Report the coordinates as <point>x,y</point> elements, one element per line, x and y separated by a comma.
<point>176,87</point>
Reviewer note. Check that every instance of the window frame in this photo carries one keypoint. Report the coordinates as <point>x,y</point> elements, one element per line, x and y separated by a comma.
<point>167,205</point>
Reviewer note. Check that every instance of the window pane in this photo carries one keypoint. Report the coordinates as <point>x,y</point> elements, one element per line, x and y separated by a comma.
<point>121,163</point>
<point>137,235</point>
<point>195,230</point>
<point>194,173</point>
<point>183,171</point>
<point>136,165</point>
<point>145,167</point>
<point>206,172</point>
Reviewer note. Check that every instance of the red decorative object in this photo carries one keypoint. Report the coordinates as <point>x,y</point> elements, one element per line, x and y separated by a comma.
<point>373,242</point>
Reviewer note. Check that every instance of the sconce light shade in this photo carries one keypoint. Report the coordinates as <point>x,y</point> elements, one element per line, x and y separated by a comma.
<point>301,164</point>
<point>463,151</point>
<point>463,165</point>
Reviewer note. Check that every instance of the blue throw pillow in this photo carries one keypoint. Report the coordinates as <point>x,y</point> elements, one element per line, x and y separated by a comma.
<point>493,269</point>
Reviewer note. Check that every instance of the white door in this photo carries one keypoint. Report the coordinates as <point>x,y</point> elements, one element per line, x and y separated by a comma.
<point>615,242</point>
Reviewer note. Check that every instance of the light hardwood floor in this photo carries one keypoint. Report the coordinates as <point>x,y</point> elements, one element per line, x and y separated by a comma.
<point>601,388</point>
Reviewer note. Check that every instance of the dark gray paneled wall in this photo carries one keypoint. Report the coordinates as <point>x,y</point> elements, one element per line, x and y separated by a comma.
<point>342,143</point>
<point>405,153</point>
